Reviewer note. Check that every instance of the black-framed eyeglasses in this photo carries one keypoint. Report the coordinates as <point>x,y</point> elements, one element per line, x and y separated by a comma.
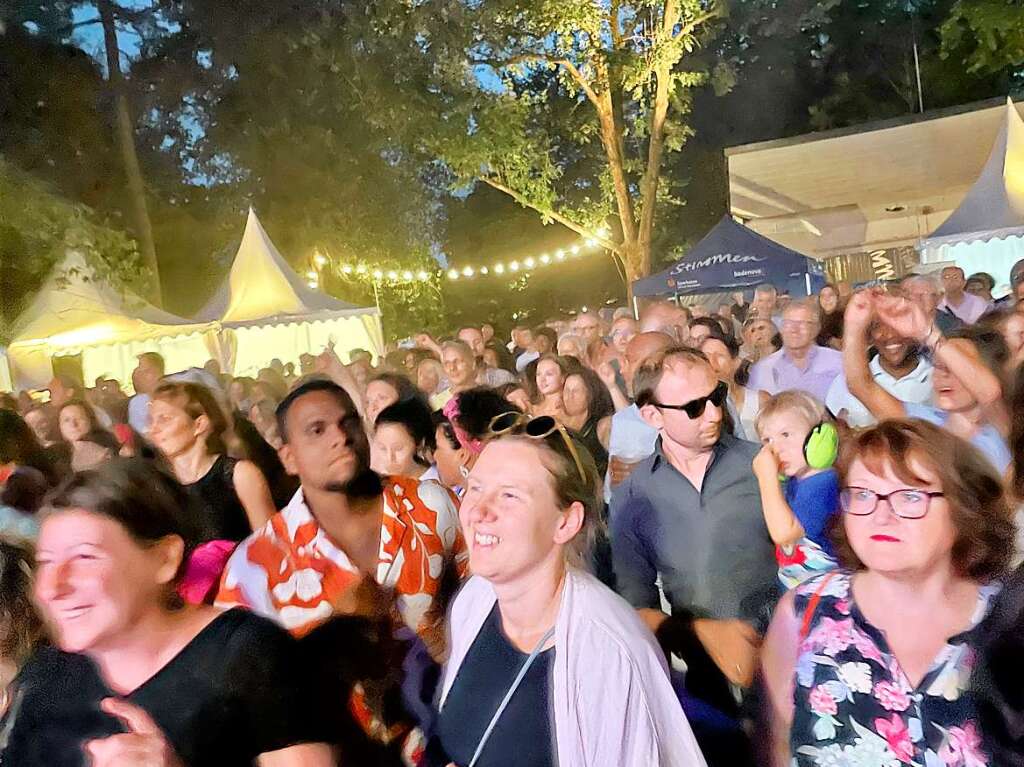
<point>908,503</point>
<point>541,427</point>
<point>695,407</point>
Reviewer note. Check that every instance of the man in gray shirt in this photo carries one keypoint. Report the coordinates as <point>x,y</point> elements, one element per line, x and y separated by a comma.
<point>691,515</point>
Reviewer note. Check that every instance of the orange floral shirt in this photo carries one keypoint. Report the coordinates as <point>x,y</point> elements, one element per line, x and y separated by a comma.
<point>291,572</point>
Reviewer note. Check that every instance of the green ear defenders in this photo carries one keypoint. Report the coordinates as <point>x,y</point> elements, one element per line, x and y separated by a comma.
<point>821,448</point>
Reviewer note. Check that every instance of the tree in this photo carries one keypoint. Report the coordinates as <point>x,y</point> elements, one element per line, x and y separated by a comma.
<point>259,110</point>
<point>55,22</point>
<point>987,34</point>
<point>568,107</point>
<point>37,228</point>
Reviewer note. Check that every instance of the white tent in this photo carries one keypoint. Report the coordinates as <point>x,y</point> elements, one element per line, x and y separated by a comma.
<point>6,383</point>
<point>266,310</point>
<point>986,232</point>
<point>76,314</point>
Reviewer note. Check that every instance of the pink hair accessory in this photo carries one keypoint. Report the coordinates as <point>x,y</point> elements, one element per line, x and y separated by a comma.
<point>451,412</point>
<point>202,574</point>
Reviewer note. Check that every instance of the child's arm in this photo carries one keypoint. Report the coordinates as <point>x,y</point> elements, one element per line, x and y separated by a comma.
<point>783,526</point>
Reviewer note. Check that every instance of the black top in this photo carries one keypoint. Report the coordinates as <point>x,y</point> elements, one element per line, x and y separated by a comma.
<point>524,734</point>
<point>234,692</point>
<point>215,497</point>
<point>589,437</point>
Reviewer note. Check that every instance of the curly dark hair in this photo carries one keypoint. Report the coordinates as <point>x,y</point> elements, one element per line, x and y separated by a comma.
<point>477,407</point>
<point>973,489</point>
<point>414,416</point>
<point>21,627</point>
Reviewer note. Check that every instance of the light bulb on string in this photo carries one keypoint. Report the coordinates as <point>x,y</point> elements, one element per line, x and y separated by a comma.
<point>453,274</point>
<point>346,269</point>
<point>378,274</point>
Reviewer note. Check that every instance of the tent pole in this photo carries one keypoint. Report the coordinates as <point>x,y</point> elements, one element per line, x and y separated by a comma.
<point>807,282</point>
<point>636,309</point>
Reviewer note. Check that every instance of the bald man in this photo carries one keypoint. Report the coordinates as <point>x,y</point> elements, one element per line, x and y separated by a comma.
<point>665,317</point>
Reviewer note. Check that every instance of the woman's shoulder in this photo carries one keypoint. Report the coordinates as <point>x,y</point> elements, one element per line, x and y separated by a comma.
<point>826,587</point>
<point>603,620</point>
<point>244,629</point>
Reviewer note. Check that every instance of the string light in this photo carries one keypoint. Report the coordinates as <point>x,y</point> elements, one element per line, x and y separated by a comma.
<point>312,284</point>
<point>466,272</point>
<point>311,275</point>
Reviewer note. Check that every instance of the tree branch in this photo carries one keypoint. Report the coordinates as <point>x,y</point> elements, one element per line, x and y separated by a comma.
<point>568,223</point>
<point>523,58</point>
<point>689,27</point>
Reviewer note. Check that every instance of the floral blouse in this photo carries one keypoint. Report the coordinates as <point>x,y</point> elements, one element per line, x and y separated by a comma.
<point>854,704</point>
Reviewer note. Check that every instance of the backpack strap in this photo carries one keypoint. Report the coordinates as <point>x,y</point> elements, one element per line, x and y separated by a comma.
<point>812,606</point>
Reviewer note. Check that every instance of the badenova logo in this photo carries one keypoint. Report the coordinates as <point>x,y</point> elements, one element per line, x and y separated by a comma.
<point>704,263</point>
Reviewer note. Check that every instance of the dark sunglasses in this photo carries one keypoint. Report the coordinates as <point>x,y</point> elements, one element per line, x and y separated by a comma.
<point>541,427</point>
<point>695,407</point>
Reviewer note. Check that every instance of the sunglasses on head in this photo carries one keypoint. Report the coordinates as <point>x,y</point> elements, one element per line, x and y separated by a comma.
<point>695,407</point>
<point>541,427</point>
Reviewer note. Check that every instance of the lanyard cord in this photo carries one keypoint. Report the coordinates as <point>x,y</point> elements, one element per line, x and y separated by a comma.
<point>508,696</point>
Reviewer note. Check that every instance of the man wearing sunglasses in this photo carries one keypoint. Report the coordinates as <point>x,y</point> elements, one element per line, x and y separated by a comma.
<point>690,517</point>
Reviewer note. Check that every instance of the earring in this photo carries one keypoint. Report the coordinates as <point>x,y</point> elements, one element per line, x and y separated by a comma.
<point>463,471</point>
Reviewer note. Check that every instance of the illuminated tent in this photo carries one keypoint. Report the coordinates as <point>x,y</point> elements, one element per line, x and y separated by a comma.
<point>76,314</point>
<point>6,384</point>
<point>986,232</point>
<point>266,310</point>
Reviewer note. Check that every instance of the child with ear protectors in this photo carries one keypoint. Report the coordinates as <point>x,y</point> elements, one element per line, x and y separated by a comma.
<point>799,488</point>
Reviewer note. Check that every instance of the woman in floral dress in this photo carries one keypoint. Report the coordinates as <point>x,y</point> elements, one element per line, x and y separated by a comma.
<point>868,666</point>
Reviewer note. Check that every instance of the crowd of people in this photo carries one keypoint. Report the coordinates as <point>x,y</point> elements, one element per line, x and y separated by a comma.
<point>776,531</point>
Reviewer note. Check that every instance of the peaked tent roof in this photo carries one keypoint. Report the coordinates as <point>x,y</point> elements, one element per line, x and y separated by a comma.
<point>731,256</point>
<point>73,308</point>
<point>994,206</point>
<point>262,289</point>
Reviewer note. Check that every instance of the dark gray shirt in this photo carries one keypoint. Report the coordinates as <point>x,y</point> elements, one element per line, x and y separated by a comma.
<point>710,547</point>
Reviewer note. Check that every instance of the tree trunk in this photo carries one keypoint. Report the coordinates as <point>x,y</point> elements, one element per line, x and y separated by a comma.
<point>126,143</point>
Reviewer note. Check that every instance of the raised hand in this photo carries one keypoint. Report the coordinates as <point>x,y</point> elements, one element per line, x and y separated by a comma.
<point>860,310</point>
<point>144,745</point>
<point>905,317</point>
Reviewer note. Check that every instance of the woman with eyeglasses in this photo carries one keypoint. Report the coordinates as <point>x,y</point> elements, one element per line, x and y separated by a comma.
<point>869,664</point>
<point>548,666</point>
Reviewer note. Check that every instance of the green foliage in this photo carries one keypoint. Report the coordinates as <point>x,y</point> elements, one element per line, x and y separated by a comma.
<point>987,34</point>
<point>37,229</point>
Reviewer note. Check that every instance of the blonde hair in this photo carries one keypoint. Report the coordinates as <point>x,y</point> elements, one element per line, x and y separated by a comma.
<point>800,403</point>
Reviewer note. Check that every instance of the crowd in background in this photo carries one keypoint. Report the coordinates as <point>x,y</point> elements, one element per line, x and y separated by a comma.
<point>760,530</point>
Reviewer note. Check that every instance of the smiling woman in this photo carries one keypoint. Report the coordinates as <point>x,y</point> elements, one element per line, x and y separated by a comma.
<point>530,627</point>
<point>137,677</point>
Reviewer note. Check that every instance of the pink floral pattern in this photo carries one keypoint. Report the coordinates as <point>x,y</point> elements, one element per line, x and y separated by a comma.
<point>891,697</point>
<point>853,703</point>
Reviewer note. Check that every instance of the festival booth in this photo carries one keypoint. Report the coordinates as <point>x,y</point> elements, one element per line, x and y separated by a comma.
<point>74,314</point>
<point>265,310</point>
<point>733,257</point>
<point>986,232</point>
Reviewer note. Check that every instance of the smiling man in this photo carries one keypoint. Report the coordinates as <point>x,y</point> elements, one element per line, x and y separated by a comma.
<point>898,367</point>
<point>344,524</point>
